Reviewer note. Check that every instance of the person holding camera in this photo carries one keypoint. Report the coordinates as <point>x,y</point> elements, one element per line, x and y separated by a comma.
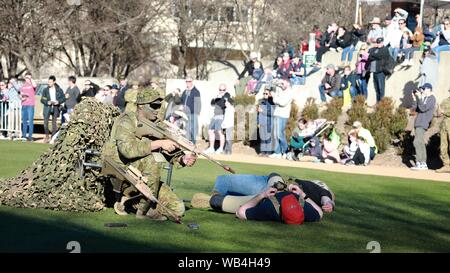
<point>424,103</point>
<point>52,98</point>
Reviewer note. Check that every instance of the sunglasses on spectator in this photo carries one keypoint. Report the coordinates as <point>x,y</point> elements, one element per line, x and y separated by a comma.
<point>222,90</point>
<point>266,94</point>
<point>402,23</point>
<point>188,81</point>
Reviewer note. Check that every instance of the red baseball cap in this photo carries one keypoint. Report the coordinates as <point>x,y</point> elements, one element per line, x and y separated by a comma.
<point>291,210</point>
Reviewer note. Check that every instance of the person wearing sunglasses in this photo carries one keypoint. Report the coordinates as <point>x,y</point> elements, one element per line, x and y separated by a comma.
<point>192,105</point>
<point>442,42</point>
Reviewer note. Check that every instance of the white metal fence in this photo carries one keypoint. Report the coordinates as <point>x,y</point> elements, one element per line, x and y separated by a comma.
<point>11,119</point>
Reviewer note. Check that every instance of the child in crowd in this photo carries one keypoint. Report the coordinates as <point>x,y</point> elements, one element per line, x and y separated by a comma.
<point>362,75</point>
<point>258,73</point>
<point>228,126</point>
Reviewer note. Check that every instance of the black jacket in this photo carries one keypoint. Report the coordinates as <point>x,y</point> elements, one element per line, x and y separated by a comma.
<point>219,104</point>
<point>345,40</point>
<point>91,92</point>
<point>192,103</point>
<point>249,67</point>
<point>45,98</point>
<point>380,55</point>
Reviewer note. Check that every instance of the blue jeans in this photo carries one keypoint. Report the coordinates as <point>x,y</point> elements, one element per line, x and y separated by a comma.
<point>27,122</point>
<point>438,50</point>
<point>192,127</point>
<point>334,93</point>
<point>353,91</point>
<point>394,53</point>
<point>281,145</point>
<point>379,80</point>
<point>362,83</point>
<point>347,54</point>
<point>240,184</point>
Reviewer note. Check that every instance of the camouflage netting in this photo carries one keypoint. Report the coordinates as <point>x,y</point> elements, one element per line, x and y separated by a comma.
<point>53,181</point>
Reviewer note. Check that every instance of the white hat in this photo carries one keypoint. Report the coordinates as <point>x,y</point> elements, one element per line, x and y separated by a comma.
<point>253,55</point>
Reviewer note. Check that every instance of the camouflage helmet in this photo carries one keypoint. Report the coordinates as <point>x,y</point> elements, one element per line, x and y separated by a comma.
<point>148,95</point>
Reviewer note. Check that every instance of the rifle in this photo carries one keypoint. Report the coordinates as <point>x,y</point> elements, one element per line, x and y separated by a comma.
<point>148,128</point>
<point>135,177</point>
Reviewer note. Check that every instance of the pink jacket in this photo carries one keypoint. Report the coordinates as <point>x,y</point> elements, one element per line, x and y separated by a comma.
<point>361,64</point>
<point>28,90</point>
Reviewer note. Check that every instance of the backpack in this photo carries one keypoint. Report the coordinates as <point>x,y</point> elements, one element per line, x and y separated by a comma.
<point>388,66</point>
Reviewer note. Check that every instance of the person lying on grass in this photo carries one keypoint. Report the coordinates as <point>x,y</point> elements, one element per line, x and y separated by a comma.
<point>291,206</point>
<point>232,191</point>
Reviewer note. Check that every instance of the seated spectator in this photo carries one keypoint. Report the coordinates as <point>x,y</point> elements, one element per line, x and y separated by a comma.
<point>359,36</point>
<point>406,49</point>
<point>428,34</point>
<point>265,110</point>
<point>298,71</point>
<point>392,37</point>
<point>365,134</point>
<point>249,66</point>
<point>442,42</point>
<point>328,41</point>
<point>348,82</point>
<point>276,64</point>
<point>399,14</point>
<point>304,132</point>
<point>362,75</point>
<point>357,152</point>
<point>331,84</point>
<point>330,153</point>
<point>257,75</point>
<point>375,32</point>
<point>344,41</point>
<point>265,79</point>
<point>286,47</point>
<point>284,69</point>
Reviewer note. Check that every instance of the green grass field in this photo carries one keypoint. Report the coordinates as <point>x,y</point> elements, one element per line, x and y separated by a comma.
<point>402,215</point>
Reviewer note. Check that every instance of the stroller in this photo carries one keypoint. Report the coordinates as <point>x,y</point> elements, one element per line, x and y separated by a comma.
<point>309,145</point>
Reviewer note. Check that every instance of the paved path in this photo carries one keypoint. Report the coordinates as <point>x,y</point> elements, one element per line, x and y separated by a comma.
<point>368,170</point>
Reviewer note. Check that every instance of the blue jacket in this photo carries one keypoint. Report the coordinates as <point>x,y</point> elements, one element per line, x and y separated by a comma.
<point>192,103</point>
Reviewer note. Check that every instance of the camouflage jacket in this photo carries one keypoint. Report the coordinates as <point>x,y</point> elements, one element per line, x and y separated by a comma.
<point>445,107</point>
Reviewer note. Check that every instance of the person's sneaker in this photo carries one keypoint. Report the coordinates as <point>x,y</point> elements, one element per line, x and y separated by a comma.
<point>350,163</point>
<point>445,169</point>
<point>219,151</point>
<point>201,201</point>
<point>328,161</point>
<point>277,156</point>
<point>405,63</point>
<point>420,167</point>
<point>210,150</point>
<point>283,156</point>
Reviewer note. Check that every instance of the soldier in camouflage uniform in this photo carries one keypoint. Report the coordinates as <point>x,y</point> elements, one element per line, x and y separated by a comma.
<point>147,155</point>
<point>445,136</point>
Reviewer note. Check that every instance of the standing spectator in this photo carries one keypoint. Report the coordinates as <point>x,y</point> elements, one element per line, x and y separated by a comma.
<point>216,123</point>
<point>366,135</point>
<point>362,75</point>
<point>445,136</point>
<point>192,106</point>
<point>266,108</point>
<point>266,79</point>
<point>298,71</point>
<point>378,55</point>
<point>429,68</point>
<point>104,95</point>
<point>4,109</point>
<point>399,14</point>
<point>72,94</point>
<point>115,94</point>
<point>90,90</point>
<point>331,84</point>
<point>328,41</point>
<point>173,102</point>
<point>284,69</point>
<point>359,36</point>
<point>376,31</point>
<point>228,126</point>
<point>52,99</point>
<point>442,42</point>
<point>344,40</point>
<point>121,96</point>
<point>416,43</point>
<point>27,96</point>
<point>282,97</point>
<point>424,104</point>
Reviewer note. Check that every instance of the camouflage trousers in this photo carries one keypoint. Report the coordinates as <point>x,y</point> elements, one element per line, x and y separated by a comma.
<point>171,204</point>
<point>445,141</point>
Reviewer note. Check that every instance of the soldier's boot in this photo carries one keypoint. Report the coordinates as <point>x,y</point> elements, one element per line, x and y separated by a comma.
<point>150,215</point>
<point>445,169</point>
<point>201,201</point>
<point>119,208</point>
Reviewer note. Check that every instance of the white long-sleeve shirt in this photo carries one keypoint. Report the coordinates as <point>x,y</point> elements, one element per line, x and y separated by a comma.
<point>283,100</point>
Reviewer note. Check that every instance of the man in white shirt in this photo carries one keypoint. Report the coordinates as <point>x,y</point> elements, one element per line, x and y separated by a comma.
<point>392,37</point>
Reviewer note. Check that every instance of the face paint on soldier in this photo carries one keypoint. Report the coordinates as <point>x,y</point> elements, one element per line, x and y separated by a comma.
<point>145,111</point>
